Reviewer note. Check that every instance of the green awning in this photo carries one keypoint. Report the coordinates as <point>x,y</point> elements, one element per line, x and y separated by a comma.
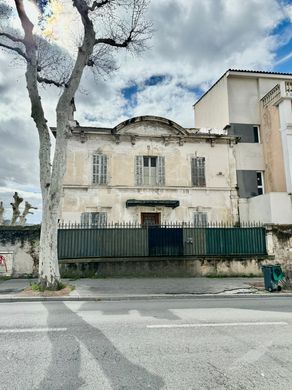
<point>152,203</point>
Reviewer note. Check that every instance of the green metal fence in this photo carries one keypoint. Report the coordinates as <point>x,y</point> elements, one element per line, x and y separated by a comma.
<point>77,241</point>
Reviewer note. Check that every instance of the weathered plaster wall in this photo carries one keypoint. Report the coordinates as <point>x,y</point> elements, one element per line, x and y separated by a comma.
<point>218,198</point>
<point>20,246</point>
<point>273,152</point>
<point>168,267</point>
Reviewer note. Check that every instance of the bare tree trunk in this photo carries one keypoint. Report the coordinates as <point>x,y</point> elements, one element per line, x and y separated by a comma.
<point>1,213</point>
<point>15,208</point>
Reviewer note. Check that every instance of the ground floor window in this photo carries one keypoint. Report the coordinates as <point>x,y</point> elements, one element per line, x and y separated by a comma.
<point>94,218</point>
<point>200,219</point>
<point>150,219</point>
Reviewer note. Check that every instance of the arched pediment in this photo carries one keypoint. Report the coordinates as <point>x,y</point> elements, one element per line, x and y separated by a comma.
<point>149,126</point>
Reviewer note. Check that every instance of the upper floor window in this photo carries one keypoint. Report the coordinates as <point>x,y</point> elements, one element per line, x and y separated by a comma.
<point>260,182</point>
<point>198,172</point>
<point>256,134</point>
<point>250,183</point>
<point>99,169</point>
<point>246,132</point>
<point>94,218</point>
<point>150,170</point>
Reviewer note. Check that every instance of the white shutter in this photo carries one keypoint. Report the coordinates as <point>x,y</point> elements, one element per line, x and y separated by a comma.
<point>103,169</point>
<point>139,171</point>
<point>160,171</point>
<point>99,166</point>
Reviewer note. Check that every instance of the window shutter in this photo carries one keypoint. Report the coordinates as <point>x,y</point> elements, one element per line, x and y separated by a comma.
<point>200,219</point>
<point>99,169</point>
<point>139,171</point>
<point>198,172</point>
<point>86,218</point>
<point>103,169</point>
<point>99,219</point>
<point>160,171</point>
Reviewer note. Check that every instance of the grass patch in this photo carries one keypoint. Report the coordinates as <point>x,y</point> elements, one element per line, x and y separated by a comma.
<point>5,278</point>
<point>214,276</point>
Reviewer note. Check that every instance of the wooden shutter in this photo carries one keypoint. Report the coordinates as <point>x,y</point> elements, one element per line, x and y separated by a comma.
<point>198,172</point>
<point>99,219</point>
<point>103,169</point>
<point>86,218</point>
<point>99,166</point>
<point>200,219</point>
<point>160,171</point>
<point>139,171</point>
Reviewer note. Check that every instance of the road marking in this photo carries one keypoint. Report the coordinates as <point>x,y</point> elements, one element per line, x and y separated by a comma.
<point>32,330</point>
<point>220,324</point>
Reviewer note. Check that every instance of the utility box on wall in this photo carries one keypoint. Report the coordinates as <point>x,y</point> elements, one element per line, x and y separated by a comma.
<point>6,263</point>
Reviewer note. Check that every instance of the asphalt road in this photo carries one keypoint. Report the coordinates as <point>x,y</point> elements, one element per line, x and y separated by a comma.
<point>204,343</point>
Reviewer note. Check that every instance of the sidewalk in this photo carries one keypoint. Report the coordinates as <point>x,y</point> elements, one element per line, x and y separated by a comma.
<point>140,288</point>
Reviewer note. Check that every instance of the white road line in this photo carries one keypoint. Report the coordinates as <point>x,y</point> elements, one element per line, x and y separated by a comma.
<point>220,324</point>
<point>32,330</point>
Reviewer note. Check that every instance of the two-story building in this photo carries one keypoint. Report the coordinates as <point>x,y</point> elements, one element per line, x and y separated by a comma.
<point>256,106</point>
<point>150,170</point>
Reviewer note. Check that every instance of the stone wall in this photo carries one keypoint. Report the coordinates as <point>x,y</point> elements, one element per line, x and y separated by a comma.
<point>20,247</point>
<point>279,244</point>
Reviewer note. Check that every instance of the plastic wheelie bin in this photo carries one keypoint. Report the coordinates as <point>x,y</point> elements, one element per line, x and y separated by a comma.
<point>273,275</point>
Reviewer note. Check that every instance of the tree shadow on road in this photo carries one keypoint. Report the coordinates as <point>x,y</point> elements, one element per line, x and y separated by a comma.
<point>64,369</point>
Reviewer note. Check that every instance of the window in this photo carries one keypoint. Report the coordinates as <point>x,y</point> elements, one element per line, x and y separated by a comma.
<point>200,219</point>
<point>256,134</point>
<point>250,183</point>
<point>198,172</point>
<point>99,169</point>
<point>248,133</point>
<point>95,218</point>
<point>150,170</point>
<point>260,183</point>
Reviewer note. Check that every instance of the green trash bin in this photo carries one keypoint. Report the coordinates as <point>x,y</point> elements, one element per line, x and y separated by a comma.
<point>273,275</point>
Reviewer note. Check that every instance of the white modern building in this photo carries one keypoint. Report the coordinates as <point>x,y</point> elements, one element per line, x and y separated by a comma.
<point>255,106</point>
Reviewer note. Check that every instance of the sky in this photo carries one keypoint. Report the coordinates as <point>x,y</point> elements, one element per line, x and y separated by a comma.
<point>194,42</point>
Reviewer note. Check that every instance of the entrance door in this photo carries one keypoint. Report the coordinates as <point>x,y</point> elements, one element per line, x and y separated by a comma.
<point>150,219</point>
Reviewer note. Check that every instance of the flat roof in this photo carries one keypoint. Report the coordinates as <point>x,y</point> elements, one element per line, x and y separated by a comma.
<point>245,73</point>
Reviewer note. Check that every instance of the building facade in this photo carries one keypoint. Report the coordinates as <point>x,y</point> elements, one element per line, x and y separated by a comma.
<point>256,107</point>
<point>150,170</point>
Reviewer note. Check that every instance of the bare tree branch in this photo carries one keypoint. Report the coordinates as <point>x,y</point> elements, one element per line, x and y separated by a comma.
<point>50,82</point>
<point>11,37</point>
<point>112,42</point>
<point>16,49</point>
<point>98,4</point>
<point>27,208</point>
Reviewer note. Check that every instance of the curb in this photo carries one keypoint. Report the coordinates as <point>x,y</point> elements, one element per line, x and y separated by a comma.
<point>8,299</point>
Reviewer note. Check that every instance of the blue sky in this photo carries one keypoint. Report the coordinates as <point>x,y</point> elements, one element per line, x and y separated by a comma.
<point>193,44</point>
